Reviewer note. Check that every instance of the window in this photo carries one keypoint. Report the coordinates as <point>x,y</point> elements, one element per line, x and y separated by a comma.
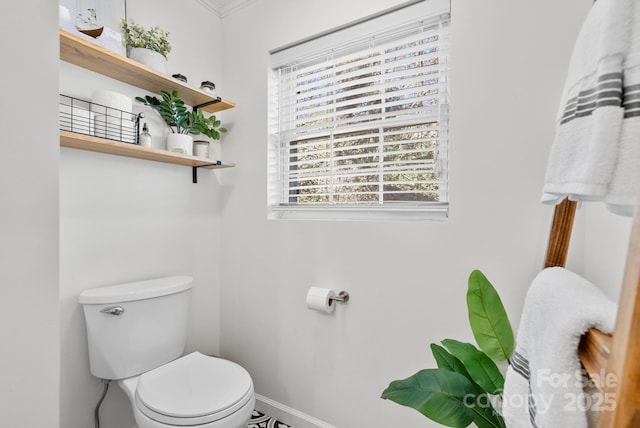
<point>359,117</point>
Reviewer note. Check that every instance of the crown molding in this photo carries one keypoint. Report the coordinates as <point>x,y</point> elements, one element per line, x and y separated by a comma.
<point>235,6</point>
<point>210,6</point>
<point>227,8</point>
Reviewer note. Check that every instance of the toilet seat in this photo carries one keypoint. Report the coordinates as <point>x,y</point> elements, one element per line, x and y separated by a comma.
<point>193,390</point>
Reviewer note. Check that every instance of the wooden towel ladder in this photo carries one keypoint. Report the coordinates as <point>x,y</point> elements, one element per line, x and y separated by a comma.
<point>612,361</point>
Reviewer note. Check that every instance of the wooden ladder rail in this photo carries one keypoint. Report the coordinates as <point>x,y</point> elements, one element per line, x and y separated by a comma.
<point>612,361</point>
<point>623,368</point>
<point>560,235</point>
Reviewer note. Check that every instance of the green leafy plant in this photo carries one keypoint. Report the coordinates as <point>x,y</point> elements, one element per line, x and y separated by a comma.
<point>182,121</point>
<point>154,38</point>
<point>467,385</point>
<point>209,126</point>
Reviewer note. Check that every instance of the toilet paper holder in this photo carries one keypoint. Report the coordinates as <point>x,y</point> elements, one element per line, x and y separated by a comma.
<point>324,299</point>
<point>342,297</point>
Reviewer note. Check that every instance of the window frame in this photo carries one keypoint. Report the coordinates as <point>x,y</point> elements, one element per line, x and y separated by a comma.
<point>404,16</point>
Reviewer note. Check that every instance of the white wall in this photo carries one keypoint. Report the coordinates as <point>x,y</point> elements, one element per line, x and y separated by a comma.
<point>29,324</point>
<point>407,280</point>
<point>124,219</point>
<point>606,243</point>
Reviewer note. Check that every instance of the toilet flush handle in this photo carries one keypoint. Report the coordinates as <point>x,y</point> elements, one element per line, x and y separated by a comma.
<point>113,310</point>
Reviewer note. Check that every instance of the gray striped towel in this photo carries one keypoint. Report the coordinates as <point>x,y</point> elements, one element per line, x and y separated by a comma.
<point>596,151</point>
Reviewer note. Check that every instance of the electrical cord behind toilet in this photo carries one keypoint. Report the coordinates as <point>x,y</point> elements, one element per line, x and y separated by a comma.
<point>96,414</point>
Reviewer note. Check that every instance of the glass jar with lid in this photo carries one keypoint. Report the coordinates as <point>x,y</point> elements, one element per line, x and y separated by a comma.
<point>209,88</point>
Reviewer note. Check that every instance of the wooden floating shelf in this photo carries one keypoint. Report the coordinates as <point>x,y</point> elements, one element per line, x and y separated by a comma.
<point>88,55</point>
<point>101,145</point>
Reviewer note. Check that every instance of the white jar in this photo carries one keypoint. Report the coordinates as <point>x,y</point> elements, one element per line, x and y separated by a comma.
<point>201,148</point>
<point>209,88</point>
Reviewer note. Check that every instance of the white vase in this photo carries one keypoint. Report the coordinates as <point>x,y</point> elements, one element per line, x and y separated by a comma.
<point>151,59</point>
<point>180,143</point>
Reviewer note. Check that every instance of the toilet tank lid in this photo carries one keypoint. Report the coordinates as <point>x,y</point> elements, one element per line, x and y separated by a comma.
<point>138,290</point>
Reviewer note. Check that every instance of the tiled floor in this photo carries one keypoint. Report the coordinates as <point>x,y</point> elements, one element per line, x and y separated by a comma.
<point>260,420</point>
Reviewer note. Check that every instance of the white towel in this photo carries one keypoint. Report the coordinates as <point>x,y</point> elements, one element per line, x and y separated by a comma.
<point>595,154</point>
<point>543,387</point>
<point>622,190</point>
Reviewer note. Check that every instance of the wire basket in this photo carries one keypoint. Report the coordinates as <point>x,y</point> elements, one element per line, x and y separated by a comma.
<point>85,117</point>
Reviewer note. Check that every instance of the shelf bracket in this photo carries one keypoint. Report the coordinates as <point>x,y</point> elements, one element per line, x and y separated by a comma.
<point>208,103</point>
<point>194,170</point>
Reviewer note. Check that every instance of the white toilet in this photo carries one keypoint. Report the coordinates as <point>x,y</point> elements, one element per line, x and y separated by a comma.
<point>137,333</point>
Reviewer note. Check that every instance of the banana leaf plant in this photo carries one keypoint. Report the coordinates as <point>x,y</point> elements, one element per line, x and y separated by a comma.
<point>467,385</point>
<point>180,119</point>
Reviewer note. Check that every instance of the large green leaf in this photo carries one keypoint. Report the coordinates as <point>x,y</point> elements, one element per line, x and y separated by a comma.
<point>445,360</point>
<point>485,416</point>
<point>481,368</point>
<point>488,318</point>
<point>436,393</point>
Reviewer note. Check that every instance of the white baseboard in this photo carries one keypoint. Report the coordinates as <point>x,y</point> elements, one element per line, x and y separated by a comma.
<point>288,415</point>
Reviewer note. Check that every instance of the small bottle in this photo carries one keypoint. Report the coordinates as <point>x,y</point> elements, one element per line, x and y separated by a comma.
<point>145,137</point>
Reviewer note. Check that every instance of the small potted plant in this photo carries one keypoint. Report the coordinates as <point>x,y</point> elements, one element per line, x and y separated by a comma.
<point>147,46</point>
<point>183,123</point>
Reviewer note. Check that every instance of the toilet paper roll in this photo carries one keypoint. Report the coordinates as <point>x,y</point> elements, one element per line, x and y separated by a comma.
<point>76,119</point>
<point>320,299</point>
<point>114,128</point>
<point>112,99</point>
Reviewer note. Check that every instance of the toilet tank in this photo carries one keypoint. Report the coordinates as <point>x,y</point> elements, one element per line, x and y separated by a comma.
<point>135,327</point>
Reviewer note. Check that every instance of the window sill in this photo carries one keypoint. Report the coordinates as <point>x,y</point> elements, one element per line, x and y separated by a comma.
<point>360,213</point>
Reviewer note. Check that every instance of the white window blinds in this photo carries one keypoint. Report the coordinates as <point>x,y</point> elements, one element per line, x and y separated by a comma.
<point>363,124</point>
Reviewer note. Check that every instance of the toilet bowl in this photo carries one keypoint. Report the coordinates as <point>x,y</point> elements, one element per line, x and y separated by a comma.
<point>136,334</point>
<point>194,390</point>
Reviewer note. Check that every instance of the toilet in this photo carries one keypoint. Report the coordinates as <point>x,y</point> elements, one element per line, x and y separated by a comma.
<point>136,335</point>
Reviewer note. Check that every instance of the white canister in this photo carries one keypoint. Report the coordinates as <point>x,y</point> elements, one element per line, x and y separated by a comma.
<point>201,148</point>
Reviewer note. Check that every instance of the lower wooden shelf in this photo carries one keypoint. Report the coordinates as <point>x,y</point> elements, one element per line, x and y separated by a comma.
<point>101,145</point>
